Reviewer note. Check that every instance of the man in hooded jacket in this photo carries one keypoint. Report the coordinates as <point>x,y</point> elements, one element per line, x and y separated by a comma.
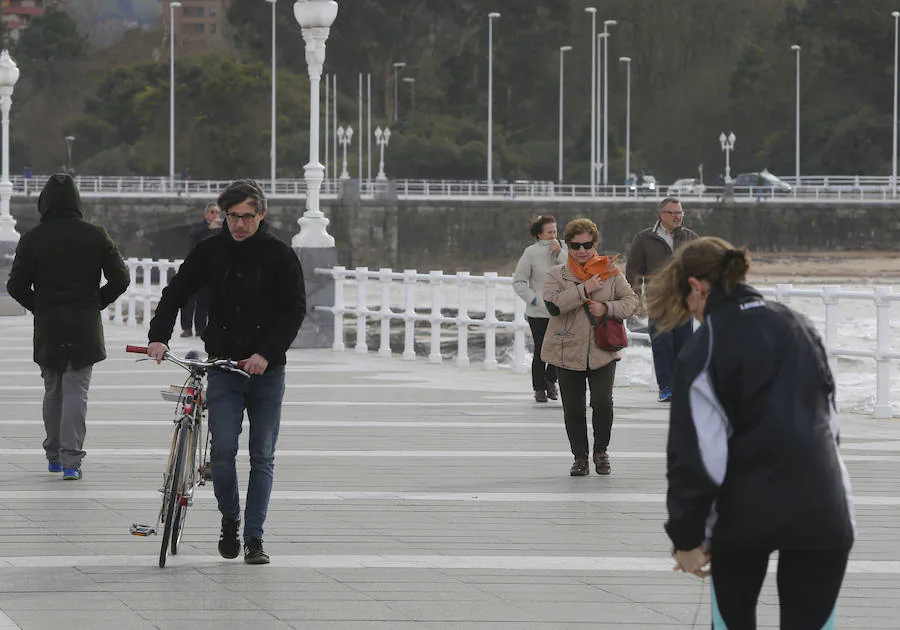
<point>56,275</point>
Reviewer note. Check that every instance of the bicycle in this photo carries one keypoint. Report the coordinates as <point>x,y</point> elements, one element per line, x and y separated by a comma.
<point>183,472</point>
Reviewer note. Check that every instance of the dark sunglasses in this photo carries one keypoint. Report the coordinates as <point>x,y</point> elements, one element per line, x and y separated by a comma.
<point>577,246</point>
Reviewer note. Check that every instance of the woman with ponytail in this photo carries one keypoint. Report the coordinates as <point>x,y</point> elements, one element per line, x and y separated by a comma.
<point>588,287</point>
<point>753,462</point>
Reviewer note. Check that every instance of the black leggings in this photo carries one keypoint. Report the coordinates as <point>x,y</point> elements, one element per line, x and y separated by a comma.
<point>572,389</point>
<point>808,587</point>
<point>542,373</point>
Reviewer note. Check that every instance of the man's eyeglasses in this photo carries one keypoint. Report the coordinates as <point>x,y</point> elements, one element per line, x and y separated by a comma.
<point>576,246</point>
<point>673,214</point>
<point>236,218</point>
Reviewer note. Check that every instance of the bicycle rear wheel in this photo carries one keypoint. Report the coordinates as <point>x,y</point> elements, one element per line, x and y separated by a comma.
<point>187,477</point>
<point>174,486</point>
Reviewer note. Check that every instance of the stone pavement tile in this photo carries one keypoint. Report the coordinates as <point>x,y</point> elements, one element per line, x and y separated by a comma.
<point>587,611</point>
<point>220,624</point>
<point>51,580</point>
<point>379,575</point>
<point>61,601</point>
<point>284,599</point>
<point>153,600</point>
<point>432,625</point>
<point>551,593</point>
<point>55,619</point>
<point>473,611</point>
<point>201,614</point>
<point>341,611</point>
<point>230,574</point>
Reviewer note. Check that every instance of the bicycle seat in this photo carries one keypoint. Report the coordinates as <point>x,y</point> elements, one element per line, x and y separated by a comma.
<point>192,354</point>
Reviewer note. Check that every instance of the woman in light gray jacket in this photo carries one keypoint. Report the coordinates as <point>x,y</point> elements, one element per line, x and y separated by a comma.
<point>528,282</point>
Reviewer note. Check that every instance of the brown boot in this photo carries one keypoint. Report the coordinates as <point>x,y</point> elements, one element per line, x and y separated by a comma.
<point>540,396</point>
<point>601,461</point>
<point>580,468</point>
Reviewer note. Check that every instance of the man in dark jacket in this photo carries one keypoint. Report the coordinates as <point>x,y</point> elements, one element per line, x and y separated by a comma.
<point>257,303</point>
<point>56,275</point>
<point>650,250</point>
<point>194,313</point>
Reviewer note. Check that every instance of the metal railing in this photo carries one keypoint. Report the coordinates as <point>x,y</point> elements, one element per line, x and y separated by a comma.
<point>450,309</point>
<point>819,189</point>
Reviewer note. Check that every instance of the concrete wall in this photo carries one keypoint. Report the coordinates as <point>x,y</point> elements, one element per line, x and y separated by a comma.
<point>483,236</point>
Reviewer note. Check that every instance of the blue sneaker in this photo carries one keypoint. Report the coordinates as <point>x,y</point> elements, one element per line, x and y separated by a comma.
<point>71,474</point>
<point>54,467</point>
<point>665,395</point>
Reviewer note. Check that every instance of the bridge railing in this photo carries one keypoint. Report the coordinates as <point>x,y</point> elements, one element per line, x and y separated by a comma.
<point>453,311</point>
<point>824,189</point>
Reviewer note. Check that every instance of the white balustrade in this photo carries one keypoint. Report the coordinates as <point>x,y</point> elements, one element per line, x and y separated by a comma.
<point>436,292</point>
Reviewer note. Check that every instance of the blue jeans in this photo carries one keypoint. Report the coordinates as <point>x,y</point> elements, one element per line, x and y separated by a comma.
<point>666,347</point>
<point>228,395</point>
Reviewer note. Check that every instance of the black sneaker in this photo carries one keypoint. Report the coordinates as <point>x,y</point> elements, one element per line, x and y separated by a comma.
<point>254,552</point>
<point>229,545</point>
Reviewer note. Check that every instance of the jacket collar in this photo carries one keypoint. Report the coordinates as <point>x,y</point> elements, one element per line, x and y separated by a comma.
<point>717,298</point>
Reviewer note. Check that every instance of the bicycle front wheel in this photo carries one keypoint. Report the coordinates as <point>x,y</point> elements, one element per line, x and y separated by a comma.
<point>174,488</point>
<point>187,479</point>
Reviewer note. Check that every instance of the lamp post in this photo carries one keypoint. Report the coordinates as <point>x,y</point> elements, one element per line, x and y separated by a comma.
<point>593,173</point>
<point>272,149</point>
<point>172,7</point>
<point>315,18</point>
<point>895,15</point>
<point>601,37</point>
<point>69,141</point>
<point>727,143</point>
<point>382,138</point>
<point>627,62</point>
<point>398,65</point>
<point>490,132</point>
<point>9,74</point>
<point>606,25</point>
<point>796,49</point>
<point>344,137</point>
<point>562,51</point>
<point>412,84</point>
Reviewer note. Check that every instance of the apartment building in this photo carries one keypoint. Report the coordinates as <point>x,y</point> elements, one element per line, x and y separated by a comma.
<point>199,24</point>
<point>16,15</point>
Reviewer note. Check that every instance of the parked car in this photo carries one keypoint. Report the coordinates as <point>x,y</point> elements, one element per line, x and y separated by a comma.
<point>764,180</point>
<point>687,187</point>
<point>645,185</point>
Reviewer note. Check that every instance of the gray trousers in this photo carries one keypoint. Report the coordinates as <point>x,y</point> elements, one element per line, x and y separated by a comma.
<point>65,410</point>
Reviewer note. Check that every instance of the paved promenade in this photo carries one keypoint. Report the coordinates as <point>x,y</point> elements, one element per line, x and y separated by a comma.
<point>407,495</point>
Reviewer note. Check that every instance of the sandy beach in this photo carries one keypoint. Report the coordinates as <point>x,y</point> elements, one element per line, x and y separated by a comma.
<point>860,267</point>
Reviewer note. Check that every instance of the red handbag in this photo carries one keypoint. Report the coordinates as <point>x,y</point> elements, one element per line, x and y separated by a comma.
<point>609,333</point>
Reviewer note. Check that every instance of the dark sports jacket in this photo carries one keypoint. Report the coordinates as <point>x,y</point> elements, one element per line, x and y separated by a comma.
<point>753,462</point>
<point>56,275</point>
<point>649,252</point>
<point>257,298</point>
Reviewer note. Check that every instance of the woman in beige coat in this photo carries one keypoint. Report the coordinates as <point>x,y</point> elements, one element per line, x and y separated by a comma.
<point>528,283</point>
<point>588,282</point>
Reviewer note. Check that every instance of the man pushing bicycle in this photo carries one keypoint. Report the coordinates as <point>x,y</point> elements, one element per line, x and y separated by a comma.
<point>257,302</point>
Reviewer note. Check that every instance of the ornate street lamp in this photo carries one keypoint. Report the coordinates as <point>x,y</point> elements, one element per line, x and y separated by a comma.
<point>344,137</point>
<point>727,143</point>
<point>382,138</point>
<point>315,18</point>
<point>9,74</point>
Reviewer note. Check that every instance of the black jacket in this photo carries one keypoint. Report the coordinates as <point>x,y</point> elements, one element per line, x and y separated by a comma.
<point>257,299</point>
<point>753,461</point>
<point>649,252</point>
<point>199,231</point>
<point>56,274</point>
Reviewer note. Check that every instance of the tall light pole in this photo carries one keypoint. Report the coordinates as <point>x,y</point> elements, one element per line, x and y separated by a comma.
<point>272,149</point>
<point>727,143</point>
<point>490,133</point>
<point>412,84</point>
<point>69,141</point>
<point>627,62</point>
<point>597,141</point>
<point>896,15</point>
<point>398,65</point>
<point>9,74</point>
<point>796,49</point>
<point>593,176</point>
<point>172,7</point>
<point>606,25</point>
<point>562,51</point>
<point>315,18</point>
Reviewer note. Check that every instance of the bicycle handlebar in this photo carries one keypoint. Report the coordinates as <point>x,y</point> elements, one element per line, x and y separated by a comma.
<point>235,367</point>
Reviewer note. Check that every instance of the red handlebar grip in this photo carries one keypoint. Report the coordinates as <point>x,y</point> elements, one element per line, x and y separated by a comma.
<point>136,349</point>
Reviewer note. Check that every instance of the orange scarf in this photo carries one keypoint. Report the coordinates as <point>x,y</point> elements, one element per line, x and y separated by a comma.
<point>604,266</point>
